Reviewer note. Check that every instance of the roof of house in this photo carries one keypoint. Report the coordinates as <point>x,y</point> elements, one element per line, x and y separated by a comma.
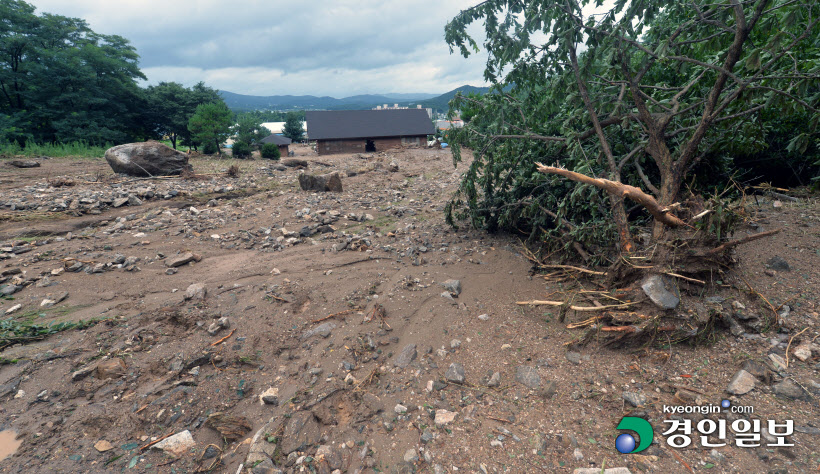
<point>340,124</point>
<point>277,140</point>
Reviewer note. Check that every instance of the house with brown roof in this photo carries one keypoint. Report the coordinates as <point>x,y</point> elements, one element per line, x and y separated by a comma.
<point>356,131</point>
<point>280,141</point>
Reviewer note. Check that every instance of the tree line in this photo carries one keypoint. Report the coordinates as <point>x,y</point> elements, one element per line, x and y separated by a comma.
<point>61,82</point>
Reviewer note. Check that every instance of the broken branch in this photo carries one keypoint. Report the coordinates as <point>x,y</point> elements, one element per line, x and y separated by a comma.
<point>618,189</point>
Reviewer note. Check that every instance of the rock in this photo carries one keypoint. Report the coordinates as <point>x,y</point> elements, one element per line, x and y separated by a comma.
<point>636,399</point>
<point>301,431</point>
<point>14,308</point>
<point>484,317</point>
<point>802,352</point>
<point>146,159</point>
<point>229,426</point>
<point>326,182</point>
<point>789,389</point>
<point>578,455</point>
<point>119,202</point>
<point>323,330</point>
<point>528,376</point>
<point>444,417</point>
<point>110,369</point>
<point>330,455</point>
<point>393,166</point>
<point>196,291</point>
<point>24,163</point>
<point>406,356</point>
<point>492,379</point>
<point>103,446</point>
<point>182,259</point>
<point>269,397</point>
<point>295,163</point>
<point>548,389</point>
<point>574,357</point>
<point>453,287</point>
<point>742,383</point>
<point>176,445</point>
<point>760,371</point>
<point>661,291</point>
<point>8,290</point>
<point>455,373</point>
<point>411,456</point>
<point>779,264</point>
<point>449,297</point>
<point>778,362</point>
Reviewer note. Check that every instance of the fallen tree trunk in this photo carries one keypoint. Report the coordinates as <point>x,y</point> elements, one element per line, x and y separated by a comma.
<point>619,189</point>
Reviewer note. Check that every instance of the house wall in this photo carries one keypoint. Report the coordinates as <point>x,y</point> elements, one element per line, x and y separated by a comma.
<point>357,145</point>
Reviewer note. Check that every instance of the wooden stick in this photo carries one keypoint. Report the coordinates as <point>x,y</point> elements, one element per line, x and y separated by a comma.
<point>340,313</point>
<point>685,278</point>
<point>680,459</point>
<point>572,307</point>
<point>735,243</point>
<point>570,267</point>
<point>498,419</point>
<point>224,338</point>
<point>156,441</point>
<point>790,345</point>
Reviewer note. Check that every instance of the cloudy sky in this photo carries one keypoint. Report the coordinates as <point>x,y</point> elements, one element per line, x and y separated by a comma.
<point>312,47</point>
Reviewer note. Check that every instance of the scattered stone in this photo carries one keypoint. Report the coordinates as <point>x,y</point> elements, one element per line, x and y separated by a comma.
<point>110,369</point>
<point>14,308</point>
<point>229,426</point>
<point>181,260</point>
<point>548,389</point>
<point>24,163</point>
<point>295,163</point>
<point>789,389</point>
<point>406,356</point>
<point>661,291</point>
<point>778,362</point>
<point>455,344</point>
<point>453,287</point>
<point>802,352</point>
<point>411,456</point>
<point>447,296</point>
<point>326,182</point>
<point>146,159</point>
<point>444,417</point>
<point>400,409</point>
<point>528,376</point>
<point>196,291</point>
<point>323,330</point>
<point>760,371</point>
<point>119,202</point>
<point>574,357</point>
<point>103,446</point>
<point>636,399</point>
<point>484,317</point>
<point>302,430</point>
<point>742,383</point>
<point>578,455</point>
<point>492,379</point>
<point>455,373</point>
<point>269,397</point>
<point>779,264</point>
<point>176,445</point>
<point>393,166</point>
<point>596,470</point>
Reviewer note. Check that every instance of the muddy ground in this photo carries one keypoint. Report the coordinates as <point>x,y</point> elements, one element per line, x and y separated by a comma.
<point>310,332</point>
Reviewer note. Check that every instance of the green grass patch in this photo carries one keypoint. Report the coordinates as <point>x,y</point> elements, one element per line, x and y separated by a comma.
<point>13,331</point>
<point>78,149</point>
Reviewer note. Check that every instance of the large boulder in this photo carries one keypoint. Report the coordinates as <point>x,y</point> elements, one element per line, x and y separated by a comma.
<point>146,159</point>
<point>325,182</point>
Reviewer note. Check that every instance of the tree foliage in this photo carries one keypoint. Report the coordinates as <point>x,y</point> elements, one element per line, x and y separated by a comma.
<point>644,95</point>
<point>293,127</point>
<point>210,125</point>
<point>62,82</point>
<point>270,151</point>
<point>169,107</point>
<point>248,129</point>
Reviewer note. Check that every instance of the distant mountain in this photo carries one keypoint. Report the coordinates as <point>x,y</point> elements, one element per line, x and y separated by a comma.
<point>356,102</point>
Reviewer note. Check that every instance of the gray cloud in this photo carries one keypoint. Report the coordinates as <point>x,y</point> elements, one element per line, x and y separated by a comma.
<point>314,47</point>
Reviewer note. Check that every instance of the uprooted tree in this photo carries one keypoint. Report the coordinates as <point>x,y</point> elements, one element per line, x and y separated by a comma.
<point>645,102</point>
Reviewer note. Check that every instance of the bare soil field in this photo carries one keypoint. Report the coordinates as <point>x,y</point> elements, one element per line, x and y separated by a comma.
<point>268,329</point>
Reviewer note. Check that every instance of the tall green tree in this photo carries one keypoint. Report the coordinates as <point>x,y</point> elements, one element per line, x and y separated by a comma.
<point>170,106</point>
<point>249,130</point>
<point>210,124</point>
<point>626,102</point>
<point>293,127</point>
<point>61,81</point>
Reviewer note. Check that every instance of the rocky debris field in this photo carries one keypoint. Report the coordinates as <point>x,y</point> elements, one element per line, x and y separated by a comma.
<point>241,324</point>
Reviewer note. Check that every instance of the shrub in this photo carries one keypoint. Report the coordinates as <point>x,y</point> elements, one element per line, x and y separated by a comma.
<point>241,150</point>
<point>270,151</point>
<point>209,148</point>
